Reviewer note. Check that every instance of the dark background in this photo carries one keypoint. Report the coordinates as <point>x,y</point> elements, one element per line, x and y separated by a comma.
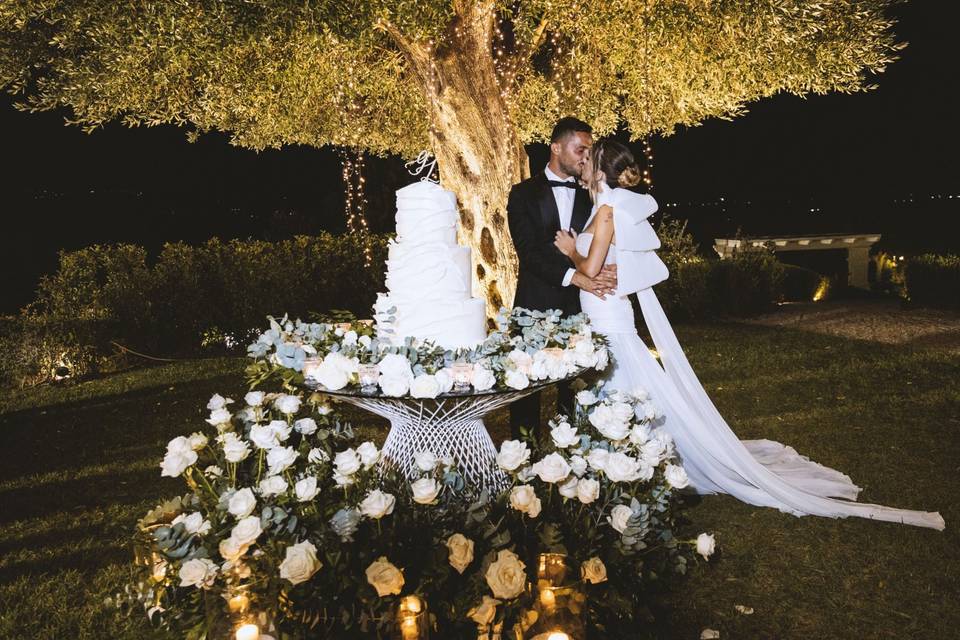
<point>883,161</point>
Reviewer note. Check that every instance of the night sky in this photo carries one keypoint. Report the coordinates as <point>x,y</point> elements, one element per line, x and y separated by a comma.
<point>879,161</point>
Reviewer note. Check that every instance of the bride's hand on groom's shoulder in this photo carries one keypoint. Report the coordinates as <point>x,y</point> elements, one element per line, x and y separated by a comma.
<point>566,242</point>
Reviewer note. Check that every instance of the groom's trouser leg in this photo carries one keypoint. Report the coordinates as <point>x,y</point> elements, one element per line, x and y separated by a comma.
<point>565,399</point>
<point>525,412</point>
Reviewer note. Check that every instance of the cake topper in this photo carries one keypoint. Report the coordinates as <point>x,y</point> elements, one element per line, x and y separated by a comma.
<point>425,160</point>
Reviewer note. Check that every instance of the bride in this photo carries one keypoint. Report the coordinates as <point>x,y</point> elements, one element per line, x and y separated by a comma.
<point>759,472</point>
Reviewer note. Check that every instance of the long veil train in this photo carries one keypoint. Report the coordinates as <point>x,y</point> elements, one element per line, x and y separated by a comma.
<point>755,471</point>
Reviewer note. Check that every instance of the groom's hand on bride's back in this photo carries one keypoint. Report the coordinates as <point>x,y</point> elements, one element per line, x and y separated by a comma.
<point>603,285</point>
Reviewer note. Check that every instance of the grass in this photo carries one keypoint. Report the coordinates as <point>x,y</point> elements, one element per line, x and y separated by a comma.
<point>80,465</point>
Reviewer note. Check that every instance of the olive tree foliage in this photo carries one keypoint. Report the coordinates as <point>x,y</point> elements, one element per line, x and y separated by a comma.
<point>470,81</point>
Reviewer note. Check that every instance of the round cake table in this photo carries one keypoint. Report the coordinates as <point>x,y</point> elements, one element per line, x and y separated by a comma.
<point>449,425</point>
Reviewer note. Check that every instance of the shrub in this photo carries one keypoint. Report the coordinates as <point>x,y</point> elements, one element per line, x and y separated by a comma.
<point>933,280</point>
<point>220,288</point>
<point>801,284</point>
<point>747,283</point>
<point>684,295</point>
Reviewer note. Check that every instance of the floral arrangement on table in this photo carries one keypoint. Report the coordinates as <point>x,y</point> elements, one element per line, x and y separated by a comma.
<point>527,347</point>
<point>293,529</point>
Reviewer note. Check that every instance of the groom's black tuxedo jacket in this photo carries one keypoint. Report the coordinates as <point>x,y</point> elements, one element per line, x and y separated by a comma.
<point>534,221</point>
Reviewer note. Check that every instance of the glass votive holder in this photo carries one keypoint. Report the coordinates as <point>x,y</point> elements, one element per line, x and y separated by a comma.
<point>462,375</point>
<point>311,366</point>
<point>369,375</point>
<point>412,621</point>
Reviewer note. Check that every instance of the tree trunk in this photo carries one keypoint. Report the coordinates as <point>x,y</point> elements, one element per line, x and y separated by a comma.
<point>477,148</point>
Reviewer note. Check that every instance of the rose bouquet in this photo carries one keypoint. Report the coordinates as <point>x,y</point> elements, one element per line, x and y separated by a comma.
<point>293,527</point>
<point>527,347</point>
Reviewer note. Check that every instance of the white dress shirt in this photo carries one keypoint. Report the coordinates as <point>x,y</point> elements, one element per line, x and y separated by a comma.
<point>564,197</point>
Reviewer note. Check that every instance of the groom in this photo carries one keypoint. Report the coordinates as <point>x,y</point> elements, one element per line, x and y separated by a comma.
<point>537,208</point>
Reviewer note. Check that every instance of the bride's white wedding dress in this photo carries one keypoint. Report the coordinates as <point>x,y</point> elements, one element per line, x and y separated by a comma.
<point>759,472</point>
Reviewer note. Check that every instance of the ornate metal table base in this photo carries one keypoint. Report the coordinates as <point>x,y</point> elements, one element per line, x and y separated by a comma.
<point>446,426</point>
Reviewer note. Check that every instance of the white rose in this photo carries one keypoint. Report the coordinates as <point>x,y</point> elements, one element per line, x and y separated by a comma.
<point>281,428</point>
<point>324,409</point>
<point>516,380</point>
<point>647,411</point>
<point>218,417</point>
<point>568,488</point>
<point>331,375</point>
<point>394,365</point>
<point>231,550</point>
<point>218,402</point>
<point>622,410</point>
<point>620,467</point>
<point>341,480</point>
<point>242,503</point>
<point>483,378</point>
<point>247,530</point>
<point>594,571</point>
<point>347,462</point>
<point>445,379</point>
<point>524,499</point>
<point>425,490</point>
<point>526,474</point>
<point>175,464</point>
<point>369,454</point>
<point>552,468</point>
<point>425,386</point>
<point>513,454</point>
<point>364,341</point>
<point>287,404</point>
<point>619,517</point>
<point>199,572</point>
<point>235,450</point>
<point>588,490</point>
<point>522,360</point>
<point>539,370</point>
<point>564,435</point>
<point>676,476</point>
<point>300,563</point>
<point>193,523</point>
<point>272,486</point>
<point>180,445</point>
<point>706,544</point>
<point>213,471</point>
<point>603,359</point>
<point>639,435</point>
<point>506,576</point>
<point>263,437</point>
<point>384,577</point>
<point>653,450</point>
<point>394,386</point>
<point>578,465</point>
<point>254,398</point>
<point>425,461</point>
<point>197,441</point>
<point>609,423</point>
<point>350,337</point>
<point>461,552</point>
<point>280,458</point>
<point>317,456</point>
<point>485,612</point>
<point>305,426</point>
<point>306,489</point>
<point>598,458</point>
<point>586,398</point>
<point>377,504</point>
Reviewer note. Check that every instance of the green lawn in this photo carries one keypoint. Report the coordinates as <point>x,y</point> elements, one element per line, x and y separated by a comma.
<point>80,465</point>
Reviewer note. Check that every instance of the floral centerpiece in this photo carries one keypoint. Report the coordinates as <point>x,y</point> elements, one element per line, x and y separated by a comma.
<point>291,528</point>
<point>526,347</point>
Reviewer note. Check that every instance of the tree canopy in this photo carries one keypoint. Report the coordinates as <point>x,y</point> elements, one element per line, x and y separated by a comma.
<point>277,72</point>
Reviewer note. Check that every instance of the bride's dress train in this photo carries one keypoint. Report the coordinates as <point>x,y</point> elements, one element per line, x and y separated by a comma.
<point>759,472</point>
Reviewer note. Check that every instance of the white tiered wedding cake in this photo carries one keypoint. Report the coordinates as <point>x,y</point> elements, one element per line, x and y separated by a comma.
<point>428,275</point>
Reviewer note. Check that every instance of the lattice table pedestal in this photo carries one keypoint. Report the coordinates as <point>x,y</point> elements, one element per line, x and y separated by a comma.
<point>447,426</point>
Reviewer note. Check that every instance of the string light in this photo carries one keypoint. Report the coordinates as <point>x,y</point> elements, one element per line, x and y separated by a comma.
<point>648,119</point>
<point>355,199</point>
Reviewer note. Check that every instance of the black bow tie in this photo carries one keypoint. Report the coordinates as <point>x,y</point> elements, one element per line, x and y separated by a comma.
<point>572,184</point>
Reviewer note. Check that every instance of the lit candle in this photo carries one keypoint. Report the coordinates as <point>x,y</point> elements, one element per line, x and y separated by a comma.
<point>462,374</point>
<point>369,374</point>
<point>409,628</point>
<point>547,598</point>
<point>344,326</point>
<point>239,603</point>
<point>411,603</point>
<point>248,632</point>
<point>558,635</point>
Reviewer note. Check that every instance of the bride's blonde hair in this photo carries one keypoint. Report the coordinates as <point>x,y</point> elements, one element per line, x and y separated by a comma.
<point>615,160</point>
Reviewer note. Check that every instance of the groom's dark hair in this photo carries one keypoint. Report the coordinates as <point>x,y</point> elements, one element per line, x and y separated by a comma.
<point>568,125</point>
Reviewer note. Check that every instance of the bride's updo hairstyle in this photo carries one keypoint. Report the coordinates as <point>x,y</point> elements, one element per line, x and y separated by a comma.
<point>617,163</point>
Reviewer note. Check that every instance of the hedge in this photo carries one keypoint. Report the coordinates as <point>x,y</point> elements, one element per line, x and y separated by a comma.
<point>933,280</point>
